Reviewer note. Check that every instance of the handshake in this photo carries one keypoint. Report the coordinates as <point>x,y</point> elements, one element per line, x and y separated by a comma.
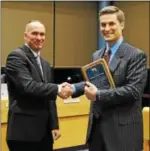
<point>66,90</point>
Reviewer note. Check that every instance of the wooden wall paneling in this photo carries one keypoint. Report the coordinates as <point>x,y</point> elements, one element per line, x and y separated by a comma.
<point>76,33</point>
<point>15,15</point>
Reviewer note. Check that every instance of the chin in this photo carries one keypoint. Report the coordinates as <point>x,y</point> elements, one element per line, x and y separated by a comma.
<point>109,39</point>
<point>38,48</point>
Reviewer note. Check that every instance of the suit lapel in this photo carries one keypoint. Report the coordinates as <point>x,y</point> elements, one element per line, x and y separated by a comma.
<point>114,63</point>
<point>117,58</point>
<point>32,59</point>
<point>100,55</point>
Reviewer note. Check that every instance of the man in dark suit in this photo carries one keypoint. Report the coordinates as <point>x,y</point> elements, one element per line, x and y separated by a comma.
<point>115,120</point>
<point>32,117</point>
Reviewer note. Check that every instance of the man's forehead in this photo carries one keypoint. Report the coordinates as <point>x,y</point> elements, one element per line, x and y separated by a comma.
<point>35,26</point>
<point>108,18</point>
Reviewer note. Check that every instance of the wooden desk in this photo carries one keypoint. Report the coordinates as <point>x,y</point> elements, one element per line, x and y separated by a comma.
<point>73,119</point>
<point>146,116</point>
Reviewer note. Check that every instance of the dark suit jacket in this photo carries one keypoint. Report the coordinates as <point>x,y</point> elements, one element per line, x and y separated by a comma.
<point>120,107</point>
<point>3,78</point>
<point>32,106</point>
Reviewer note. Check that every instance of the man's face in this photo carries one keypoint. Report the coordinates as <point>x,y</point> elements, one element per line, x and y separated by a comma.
<point>35,36</point>
<point>110,27</point>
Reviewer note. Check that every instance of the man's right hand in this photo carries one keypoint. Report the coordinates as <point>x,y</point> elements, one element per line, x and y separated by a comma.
<point>65,90</point>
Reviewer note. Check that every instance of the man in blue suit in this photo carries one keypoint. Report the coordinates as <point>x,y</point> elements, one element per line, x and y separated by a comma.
<point>115,121</point>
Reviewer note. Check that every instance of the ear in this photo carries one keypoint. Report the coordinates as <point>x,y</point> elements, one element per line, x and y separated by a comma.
<point>25,35</point>
<point>122,25</point>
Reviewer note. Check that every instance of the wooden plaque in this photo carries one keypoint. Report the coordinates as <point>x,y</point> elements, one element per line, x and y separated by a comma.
<point>98,73</point>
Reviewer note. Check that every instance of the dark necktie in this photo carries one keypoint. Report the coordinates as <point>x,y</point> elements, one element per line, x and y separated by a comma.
<point>39,64</point>
<point>107,55</point>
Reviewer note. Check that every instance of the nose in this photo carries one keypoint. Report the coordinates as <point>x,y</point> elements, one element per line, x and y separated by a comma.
<point>107,27</point>
<point>39,37</point>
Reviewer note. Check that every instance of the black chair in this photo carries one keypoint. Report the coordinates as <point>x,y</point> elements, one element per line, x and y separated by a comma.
<point>70,75</point>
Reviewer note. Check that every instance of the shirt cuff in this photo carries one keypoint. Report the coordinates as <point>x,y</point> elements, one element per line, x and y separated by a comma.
<point>73,88</point>
<point>59,88</point>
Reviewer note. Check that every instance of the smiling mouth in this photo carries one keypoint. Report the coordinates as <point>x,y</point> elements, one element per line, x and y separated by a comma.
<point>39,44</point>
<point>107,35</point>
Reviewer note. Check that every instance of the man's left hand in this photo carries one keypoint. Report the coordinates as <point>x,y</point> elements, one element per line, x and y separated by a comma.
<point>90,91</point>
<point>56,134</point>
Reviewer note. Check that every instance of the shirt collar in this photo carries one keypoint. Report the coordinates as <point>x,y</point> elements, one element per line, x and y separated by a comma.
<point>36,54</point>
<point>115,47</point>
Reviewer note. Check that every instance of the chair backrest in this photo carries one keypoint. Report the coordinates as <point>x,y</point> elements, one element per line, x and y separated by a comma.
<point>146,116</point>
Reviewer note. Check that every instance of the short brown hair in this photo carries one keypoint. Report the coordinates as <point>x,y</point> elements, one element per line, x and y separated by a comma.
<point>113,10</point>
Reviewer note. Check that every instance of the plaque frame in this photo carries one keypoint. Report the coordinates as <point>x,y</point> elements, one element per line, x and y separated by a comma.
<point>102,62</point>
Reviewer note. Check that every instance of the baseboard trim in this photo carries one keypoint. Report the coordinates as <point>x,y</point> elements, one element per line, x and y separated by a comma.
<point>74,148</point>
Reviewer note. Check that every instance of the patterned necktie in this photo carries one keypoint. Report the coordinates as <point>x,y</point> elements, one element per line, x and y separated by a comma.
<point>39,64</point>
<point>107,55</point>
